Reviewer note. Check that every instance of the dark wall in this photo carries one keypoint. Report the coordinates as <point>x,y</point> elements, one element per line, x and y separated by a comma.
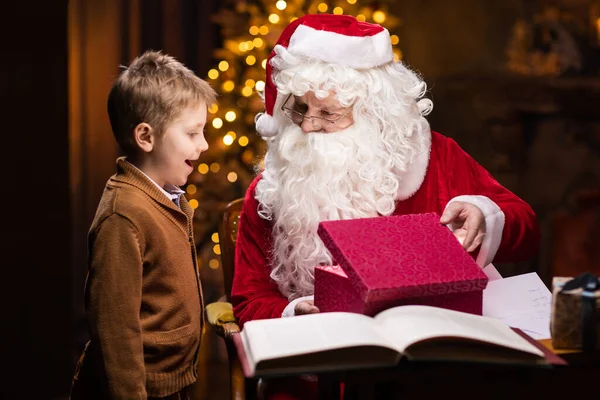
<point>455,38</point>
<point>35,284</point>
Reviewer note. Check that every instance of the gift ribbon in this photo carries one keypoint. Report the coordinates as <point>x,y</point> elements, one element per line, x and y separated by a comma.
<point>590,284</point>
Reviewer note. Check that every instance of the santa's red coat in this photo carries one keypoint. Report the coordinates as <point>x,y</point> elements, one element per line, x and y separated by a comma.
<point>436,177</point>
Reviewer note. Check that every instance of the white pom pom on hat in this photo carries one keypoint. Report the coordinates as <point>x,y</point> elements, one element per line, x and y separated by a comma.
<point>339,39</point>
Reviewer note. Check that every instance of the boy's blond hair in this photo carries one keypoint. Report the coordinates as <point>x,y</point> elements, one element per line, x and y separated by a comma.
<point>154,89</point>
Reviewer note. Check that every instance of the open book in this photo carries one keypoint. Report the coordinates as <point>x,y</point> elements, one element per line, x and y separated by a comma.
<point>339,340</point>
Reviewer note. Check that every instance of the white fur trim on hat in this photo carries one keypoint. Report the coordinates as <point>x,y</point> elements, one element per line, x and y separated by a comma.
<point>353,51</point>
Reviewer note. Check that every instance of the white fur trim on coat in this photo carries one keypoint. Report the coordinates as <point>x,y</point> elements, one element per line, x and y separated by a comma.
<point>494,226</point>
<point>413,178</point>
<point>288,311</point>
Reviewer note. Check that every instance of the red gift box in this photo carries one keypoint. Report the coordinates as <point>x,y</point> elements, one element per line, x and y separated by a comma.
<point>398,260</point>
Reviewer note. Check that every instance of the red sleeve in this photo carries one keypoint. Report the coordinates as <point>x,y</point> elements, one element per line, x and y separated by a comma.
<point>521,234</point>
<point>254,294</point>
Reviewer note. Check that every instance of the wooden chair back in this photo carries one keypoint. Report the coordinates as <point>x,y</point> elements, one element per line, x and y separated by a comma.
<point>228,228</point>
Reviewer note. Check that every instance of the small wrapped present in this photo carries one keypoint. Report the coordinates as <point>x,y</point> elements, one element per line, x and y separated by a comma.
<point>575,320</point>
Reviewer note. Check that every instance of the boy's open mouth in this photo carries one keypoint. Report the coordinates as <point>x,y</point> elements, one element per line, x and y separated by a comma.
<point>188,162</point>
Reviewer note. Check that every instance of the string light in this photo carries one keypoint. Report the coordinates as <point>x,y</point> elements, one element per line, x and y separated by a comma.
<point>322,7</point>
<point>203,168</point>
<point>247,156</point>
<point>263,30</point>
<point>223,66</point>
<point>215,237</point>
<point>230,116</point>
<point>258,42</point>
<point>213,108</point>
<point>243,141</point>
<point>213,74</point>
<point>379,17</point>
<point>338,11</point>
<point>228,140</point>
<point>273,18</point>
<point>397,54</point>
<point>228,86</point>
<point>217,123</point>
<point>232,177</point>
<point>193,203</point>
<point>191,188</point>
<point>253,30</point>
<point>281,5</point>
<point>250,60</point>
<point>217,249</point>
<point>247,91</point>
<point>213,263</point>
<point>215,167</point>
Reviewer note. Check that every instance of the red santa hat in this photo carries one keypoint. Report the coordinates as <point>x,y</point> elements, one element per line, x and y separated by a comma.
<point>339,39</point>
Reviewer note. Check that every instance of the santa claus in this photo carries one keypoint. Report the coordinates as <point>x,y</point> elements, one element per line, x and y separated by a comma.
<point>347,138</point>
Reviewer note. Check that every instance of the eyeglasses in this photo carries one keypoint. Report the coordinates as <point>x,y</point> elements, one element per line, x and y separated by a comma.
<point>317,122</point>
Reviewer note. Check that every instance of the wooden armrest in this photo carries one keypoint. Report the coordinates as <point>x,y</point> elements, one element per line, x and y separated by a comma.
<point>229,329</point>
<point>220,316</point>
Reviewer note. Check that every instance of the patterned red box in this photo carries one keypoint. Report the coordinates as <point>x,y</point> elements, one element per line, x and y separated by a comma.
<point>396,260</point>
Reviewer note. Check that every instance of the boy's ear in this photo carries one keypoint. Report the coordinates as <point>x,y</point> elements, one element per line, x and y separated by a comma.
<point>143,137</point>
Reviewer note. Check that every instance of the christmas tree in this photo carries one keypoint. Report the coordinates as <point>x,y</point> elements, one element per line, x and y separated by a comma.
<point>250,30</point>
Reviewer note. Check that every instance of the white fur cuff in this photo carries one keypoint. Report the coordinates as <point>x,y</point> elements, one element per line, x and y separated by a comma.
<point>288,311</point>
<point>494,226</point>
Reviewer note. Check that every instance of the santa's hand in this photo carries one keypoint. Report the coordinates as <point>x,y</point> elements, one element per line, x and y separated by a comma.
<point>306,307</point>
<point>467,223</point>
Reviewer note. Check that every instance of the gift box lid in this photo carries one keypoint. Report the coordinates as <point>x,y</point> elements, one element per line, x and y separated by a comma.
<point>401,256</point>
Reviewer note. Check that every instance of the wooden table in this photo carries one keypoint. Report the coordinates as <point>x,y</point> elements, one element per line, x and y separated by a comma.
<point>440,380</point>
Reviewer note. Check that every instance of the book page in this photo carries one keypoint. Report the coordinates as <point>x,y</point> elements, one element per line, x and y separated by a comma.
<point>406,325</point>
<point>521,301</point>
<point>282,337</point>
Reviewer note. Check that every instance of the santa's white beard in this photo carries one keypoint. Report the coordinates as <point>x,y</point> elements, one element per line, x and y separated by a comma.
<point>316,177</point>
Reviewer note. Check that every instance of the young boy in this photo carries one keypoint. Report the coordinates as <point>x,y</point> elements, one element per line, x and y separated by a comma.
<point>143,295</point>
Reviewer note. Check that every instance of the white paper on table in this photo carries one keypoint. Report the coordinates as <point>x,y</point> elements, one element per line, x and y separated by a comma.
<point>521,301</point>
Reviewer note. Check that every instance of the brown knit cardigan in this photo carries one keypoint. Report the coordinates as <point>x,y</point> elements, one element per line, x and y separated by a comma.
<point>143,294</point>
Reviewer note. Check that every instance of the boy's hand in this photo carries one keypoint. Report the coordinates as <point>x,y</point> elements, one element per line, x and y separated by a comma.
<point>468,223</point>
<point>306,307</point>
